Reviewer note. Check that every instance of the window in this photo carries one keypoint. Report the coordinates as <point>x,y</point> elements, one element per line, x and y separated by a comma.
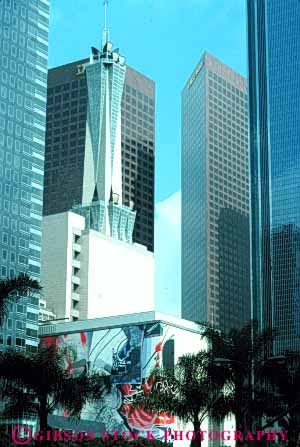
<point>20,308</point>
<point>31,332</point>
<point>31,316</point>
<point>5,221</point>
<point>34,301</point>
<point>20,341</point>
<point>23,259</point>
<point>31,348</point>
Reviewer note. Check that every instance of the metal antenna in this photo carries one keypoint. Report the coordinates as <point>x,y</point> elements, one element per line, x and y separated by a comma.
<point>105,14</point>
<point>105,30</point>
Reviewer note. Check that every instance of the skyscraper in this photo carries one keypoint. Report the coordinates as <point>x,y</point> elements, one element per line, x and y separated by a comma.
<point>65,144</point>
<point>23,91</point>
<point>89,255</point>
<point>215,228</point>
<point>274,90</point>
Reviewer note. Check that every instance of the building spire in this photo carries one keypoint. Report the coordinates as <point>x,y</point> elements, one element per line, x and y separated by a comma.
<point>105,33</point>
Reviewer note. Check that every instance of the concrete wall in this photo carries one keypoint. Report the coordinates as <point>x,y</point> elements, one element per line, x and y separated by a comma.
<point>57,253</point>
<point>116,277</point>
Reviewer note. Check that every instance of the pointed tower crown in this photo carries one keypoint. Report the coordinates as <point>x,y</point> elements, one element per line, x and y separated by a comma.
<point>102,197</point>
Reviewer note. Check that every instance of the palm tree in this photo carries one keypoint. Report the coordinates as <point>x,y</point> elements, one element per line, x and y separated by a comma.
<point>284,375</point>
<point>15,288</point>
<point>47,385</point>
<point>188,392</point>
<point>242,353</point>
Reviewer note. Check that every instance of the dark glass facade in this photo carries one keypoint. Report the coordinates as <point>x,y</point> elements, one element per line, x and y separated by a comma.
<point>65,138</point>
<point>274,111</point>
<point>65,144</point>
<point>215,197</point>
<point>234,267</point>
<point>23,89</point>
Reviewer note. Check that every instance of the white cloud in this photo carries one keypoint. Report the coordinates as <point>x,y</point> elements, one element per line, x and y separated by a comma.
<point>169,210</point>
<point>168,254</point>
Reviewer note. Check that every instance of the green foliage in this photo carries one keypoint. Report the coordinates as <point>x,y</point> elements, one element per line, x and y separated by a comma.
<point>258,383</point>
<point>4,438</point>
<point>188,392</point>
<point>37,383</point>
<point>239,355</point>
<point>15,288</point>
<point>284,376</point>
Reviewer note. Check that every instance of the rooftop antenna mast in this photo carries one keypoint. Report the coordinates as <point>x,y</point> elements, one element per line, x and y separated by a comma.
<point>105,30</point>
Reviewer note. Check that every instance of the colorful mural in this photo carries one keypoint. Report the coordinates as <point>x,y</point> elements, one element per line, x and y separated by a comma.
<point>129,354</point>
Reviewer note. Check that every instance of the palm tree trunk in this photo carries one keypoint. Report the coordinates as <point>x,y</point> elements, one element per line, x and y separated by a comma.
<point>43,413</point>
<point>196,424</point>
<point>293,437</point>
<point>239,426</point>
<point>43,419</point>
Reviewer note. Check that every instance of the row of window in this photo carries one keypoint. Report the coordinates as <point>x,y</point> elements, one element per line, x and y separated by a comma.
<point>33,270</point>
<point>68,86</point>
<point>137,142</point>
<point>225,95</point>
<point>60,113</point>
<point>68,127</point>
<point>22,260</point>
<point>227,84</point>
<point>18,342</point>
<point>9,341</point>
<point>139,129</point>
<point>140,203</point>
<point>141,132</point>
<point>231,111</point>
<point>228,119</point>
<point>74,94</point>
<point>147,184</point>
<point>135,94</point>
<point>228,131</point>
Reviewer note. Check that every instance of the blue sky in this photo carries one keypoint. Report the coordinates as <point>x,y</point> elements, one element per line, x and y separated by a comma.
<point>164,39</point>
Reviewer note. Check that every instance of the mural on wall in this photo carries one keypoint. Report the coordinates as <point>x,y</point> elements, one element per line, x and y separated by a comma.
<point>129,354</point>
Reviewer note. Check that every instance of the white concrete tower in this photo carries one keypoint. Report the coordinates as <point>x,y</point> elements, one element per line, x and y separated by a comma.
<point>102,185</point>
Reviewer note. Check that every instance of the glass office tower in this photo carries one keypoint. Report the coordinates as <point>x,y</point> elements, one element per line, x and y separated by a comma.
<point>274,105</point>
<point>215,227</point>
<point>23,91</point>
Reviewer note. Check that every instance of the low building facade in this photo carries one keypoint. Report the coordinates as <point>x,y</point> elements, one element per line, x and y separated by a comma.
<point>128,347</point>
<point>87,274</point>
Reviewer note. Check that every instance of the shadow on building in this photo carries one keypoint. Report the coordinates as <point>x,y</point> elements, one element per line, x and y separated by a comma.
<point>234,269</point>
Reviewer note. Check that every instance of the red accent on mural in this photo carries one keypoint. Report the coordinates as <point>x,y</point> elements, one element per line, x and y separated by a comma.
<point>50,341</point>
<point>83,339</point>
<point>139,418</point>
<point>158,347</point>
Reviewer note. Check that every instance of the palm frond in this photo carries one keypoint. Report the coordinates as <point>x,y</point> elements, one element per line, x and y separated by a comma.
<point>188,392</point>
<point>46,382</point>
<point>19,403</point>
<point>14,288</point>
